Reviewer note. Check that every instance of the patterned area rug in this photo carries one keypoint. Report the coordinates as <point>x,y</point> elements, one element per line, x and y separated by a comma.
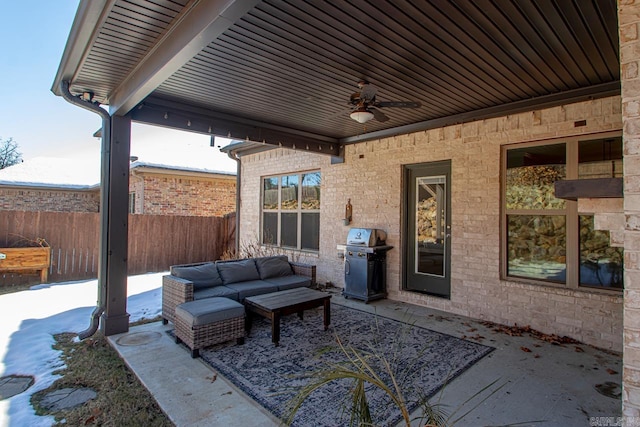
<point>425,360</point>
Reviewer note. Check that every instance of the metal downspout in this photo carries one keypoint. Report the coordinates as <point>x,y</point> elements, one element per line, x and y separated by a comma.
<point>106,135</point>
<point>238,180</point>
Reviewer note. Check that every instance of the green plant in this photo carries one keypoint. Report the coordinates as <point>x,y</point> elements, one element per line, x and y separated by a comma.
<point>380,369</point>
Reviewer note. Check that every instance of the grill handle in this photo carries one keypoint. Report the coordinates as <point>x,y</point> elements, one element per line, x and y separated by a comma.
<point>347,266</point>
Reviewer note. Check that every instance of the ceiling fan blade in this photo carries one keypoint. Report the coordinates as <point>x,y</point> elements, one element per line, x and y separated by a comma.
<point>398,104</point>
<point>368,92</point>
<point>378,115</point>
<point>344,112</point>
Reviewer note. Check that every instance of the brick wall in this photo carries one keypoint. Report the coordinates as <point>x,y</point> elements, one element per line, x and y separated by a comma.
<point>629,20</point>
<point>371,177</point>
<point>136,186</point>
<point>23,199</point>
<point>155,194</point>
<point>176,195</point>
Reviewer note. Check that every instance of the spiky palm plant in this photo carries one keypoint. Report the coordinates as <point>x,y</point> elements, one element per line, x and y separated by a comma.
<point>374,367</point>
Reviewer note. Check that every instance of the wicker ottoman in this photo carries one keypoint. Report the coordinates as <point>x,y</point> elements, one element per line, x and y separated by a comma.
<point>209,321</point>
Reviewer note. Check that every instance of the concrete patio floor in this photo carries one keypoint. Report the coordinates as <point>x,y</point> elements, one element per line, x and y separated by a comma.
<point>550,385</point>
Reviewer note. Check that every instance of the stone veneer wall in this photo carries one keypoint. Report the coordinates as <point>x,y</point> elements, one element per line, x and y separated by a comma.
<point>371,177</point>
<point>23,199</point>
<point>629,26</point>
<point>171,195</point>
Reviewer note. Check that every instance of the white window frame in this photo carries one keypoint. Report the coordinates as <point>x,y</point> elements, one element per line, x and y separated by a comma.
<point>279,211</point>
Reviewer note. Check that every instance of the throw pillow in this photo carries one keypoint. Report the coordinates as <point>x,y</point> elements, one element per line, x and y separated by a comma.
<point>238,271</point>
<point>202,276</point>
<point>276,266</point>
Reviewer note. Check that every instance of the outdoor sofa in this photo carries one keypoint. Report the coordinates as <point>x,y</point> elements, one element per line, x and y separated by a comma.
<point>233,279</point>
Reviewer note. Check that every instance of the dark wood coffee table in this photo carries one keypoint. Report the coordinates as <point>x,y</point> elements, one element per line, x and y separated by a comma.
<point>277,304</point>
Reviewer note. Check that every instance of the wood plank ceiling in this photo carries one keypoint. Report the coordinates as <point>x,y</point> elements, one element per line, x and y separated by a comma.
<point>289,66</point>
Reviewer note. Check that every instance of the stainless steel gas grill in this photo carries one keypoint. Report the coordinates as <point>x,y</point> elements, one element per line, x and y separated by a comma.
<point>365,271</point>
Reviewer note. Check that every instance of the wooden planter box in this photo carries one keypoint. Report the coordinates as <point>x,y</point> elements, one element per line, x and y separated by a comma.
<point>19,260</point>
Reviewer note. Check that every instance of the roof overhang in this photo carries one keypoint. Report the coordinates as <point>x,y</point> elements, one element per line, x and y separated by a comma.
<point>281,73</point>
<point>151,168</point>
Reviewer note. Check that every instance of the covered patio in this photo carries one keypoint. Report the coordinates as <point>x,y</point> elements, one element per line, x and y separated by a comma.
<point>377,101</point>
<point>538,383</point>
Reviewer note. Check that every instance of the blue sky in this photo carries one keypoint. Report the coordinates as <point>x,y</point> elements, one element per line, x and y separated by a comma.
<point>33,35</point>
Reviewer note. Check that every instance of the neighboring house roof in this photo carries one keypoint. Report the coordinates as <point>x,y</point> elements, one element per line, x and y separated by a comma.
<point>71,174</point>
<point>53,172</point>
<point>178,170</point>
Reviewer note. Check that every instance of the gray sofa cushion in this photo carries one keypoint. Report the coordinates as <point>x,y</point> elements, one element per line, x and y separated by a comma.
<point>204,312</point>
<point>273,266</point>
<point>290,282</point>
<point>238,271</point>
<point>202,276</point>
<point>253,287</point>
<point>215,291</point>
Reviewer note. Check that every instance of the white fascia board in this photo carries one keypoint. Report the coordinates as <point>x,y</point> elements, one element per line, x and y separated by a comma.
<point>89,18</point>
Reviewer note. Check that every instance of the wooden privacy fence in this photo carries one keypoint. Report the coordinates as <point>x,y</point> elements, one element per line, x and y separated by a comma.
<point>155,242</point>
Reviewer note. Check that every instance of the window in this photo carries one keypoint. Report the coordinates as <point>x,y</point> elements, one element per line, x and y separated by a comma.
<point>132,203</point>
<point>291,211</point>
<point>546,238</point>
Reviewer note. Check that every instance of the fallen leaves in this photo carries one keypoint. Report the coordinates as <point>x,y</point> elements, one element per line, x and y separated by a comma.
<point>440,318</point>
<point>518,331</point>
<point>95,412</point>
<point>476,337</point>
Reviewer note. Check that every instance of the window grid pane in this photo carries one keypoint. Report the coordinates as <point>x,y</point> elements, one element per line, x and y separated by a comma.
<point>531,173</point>
<point>600,158</point>
<point>600,264</point>
<point>310,238</point>
<point>270,193</point>
<point>289,233</point>
<point>311,191</point>
<point>536,247</point>
<point>289,193</point>
<point>269,228</point>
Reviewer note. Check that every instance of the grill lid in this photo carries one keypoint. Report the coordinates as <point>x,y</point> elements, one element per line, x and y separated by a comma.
<point>366,237</point>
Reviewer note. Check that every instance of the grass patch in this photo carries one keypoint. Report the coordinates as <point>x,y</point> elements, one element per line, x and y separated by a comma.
<point>121,399</point>
<point>144,321</point>
<point>10,289</point>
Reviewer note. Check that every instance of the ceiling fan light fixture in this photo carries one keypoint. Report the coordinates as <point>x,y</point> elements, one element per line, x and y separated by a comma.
<point>361,115</point>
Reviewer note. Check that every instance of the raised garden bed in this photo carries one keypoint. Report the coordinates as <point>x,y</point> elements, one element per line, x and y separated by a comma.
<point>22,260</point>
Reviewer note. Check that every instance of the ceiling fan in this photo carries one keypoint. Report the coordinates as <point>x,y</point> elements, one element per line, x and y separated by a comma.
<point>365,106</point>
